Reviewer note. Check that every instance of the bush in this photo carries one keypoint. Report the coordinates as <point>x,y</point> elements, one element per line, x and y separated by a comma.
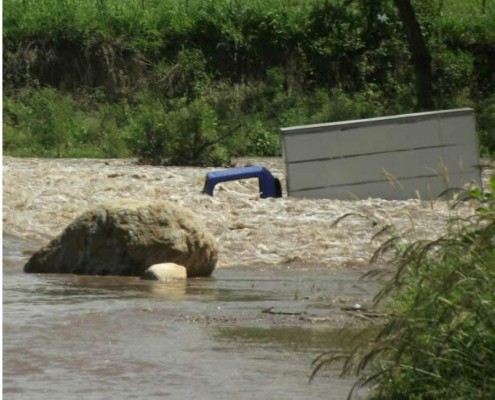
<point>178,133</point>
<point>49,123</point>
<point>259,65</point>
<point>439,342</point>
<point>262,141</point>
<point>40,121</point>
<point>486,126</point>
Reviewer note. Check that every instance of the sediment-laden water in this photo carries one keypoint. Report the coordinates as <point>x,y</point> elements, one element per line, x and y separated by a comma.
<point>245,333</point>
<point>277,299</point>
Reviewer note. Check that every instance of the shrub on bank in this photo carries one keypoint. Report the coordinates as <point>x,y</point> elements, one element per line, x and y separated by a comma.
<point>439,341</point>
<point>258,65</point>
<point>224,122</point>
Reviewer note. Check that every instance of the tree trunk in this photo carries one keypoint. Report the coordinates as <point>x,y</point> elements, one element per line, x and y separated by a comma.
<point>421,57</point>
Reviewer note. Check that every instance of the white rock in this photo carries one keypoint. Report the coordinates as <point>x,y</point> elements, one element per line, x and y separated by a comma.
<point>165,272</point>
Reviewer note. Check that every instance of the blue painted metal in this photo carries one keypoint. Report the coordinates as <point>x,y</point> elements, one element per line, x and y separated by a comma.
<point>268,184</point>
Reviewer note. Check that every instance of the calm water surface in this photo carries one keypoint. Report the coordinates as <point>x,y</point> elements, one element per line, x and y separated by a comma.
<point>76,337</point>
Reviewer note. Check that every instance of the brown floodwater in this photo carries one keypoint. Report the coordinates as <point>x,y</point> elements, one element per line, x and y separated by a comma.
<point>249,332</point>
<point>287,268</point>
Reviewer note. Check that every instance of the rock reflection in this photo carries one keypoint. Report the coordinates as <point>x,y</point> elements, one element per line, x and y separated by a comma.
<point>172,290</point>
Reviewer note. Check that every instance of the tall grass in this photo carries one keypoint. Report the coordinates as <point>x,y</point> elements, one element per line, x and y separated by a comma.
<point>439,342</point>
<point>138,19</point>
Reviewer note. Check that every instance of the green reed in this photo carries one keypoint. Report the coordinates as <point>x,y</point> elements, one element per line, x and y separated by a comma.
<point>439,341</point>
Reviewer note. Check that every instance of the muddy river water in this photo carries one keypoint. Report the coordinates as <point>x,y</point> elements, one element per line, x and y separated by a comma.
<point>245,333</point>
<point>286,273</point>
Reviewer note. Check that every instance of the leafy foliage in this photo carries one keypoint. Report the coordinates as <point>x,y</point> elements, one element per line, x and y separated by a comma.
<point>278,62</point>
<point>179,135</point>
<point>486,125</point>
<point>439,342</point>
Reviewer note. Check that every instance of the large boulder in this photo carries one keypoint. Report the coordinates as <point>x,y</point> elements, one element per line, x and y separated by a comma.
<point>126,237</point>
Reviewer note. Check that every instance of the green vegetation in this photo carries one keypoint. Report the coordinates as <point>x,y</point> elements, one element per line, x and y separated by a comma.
<point>439,342</point>
<point>198,82</point>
